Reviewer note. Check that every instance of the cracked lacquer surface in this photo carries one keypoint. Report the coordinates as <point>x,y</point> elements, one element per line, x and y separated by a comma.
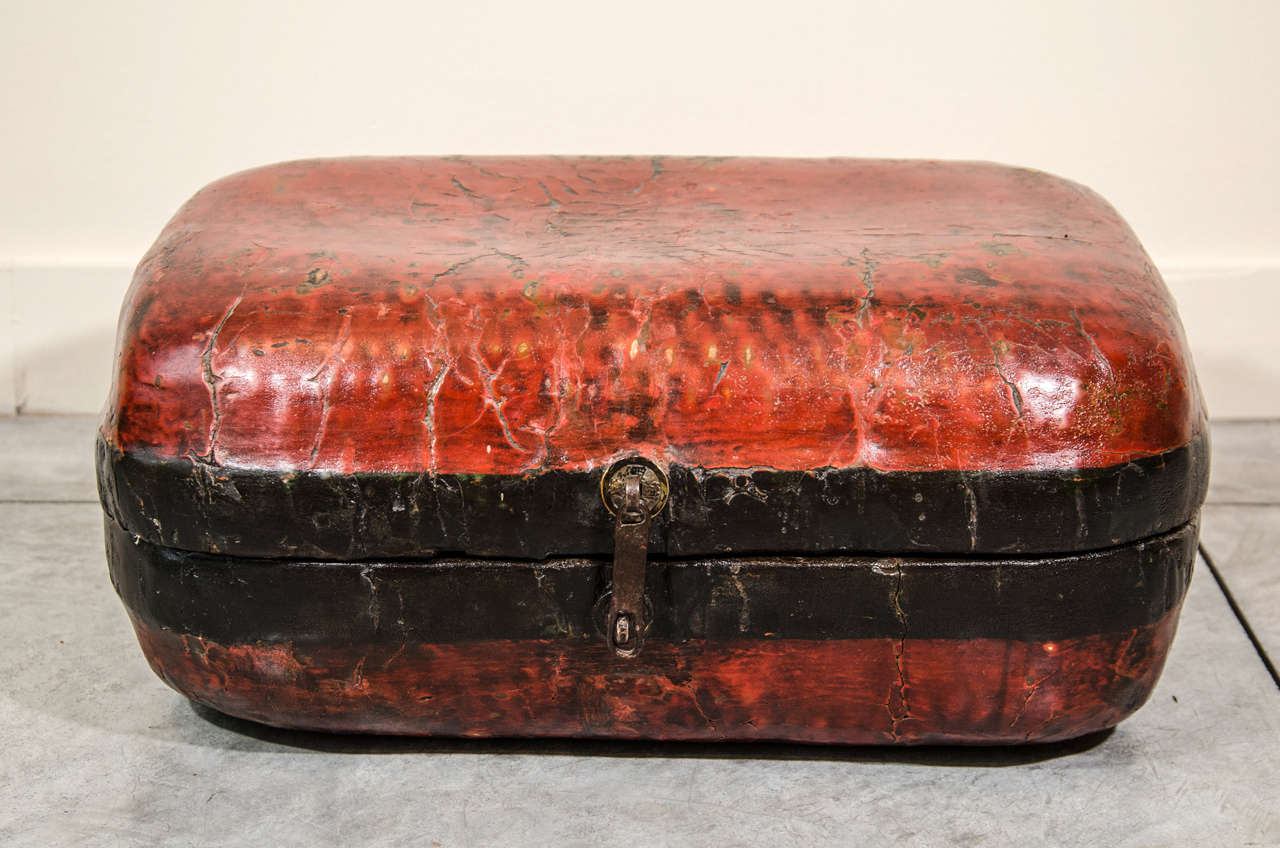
<point>512,315</point>
<point>847,691</point>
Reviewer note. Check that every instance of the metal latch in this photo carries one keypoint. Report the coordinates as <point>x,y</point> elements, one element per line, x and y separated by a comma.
<point>634,491</point>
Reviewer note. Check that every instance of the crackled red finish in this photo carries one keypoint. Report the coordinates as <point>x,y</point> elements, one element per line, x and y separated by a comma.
<point>852,691</point>
<point>513,315</point>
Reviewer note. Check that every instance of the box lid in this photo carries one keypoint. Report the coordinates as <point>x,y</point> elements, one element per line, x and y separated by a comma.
<point>394,356</point>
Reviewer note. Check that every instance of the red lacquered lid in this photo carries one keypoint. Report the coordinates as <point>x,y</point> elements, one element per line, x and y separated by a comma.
<point>524,316</point>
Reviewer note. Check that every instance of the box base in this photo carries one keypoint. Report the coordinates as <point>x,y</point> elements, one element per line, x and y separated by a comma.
<point>857,691</point>
<point>817,650</point>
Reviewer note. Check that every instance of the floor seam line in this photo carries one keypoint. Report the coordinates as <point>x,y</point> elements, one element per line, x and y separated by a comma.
<point>1241,618</point>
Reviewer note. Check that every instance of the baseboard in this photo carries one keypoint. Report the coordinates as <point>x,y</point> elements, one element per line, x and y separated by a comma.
<point>62,339</point>
<point>57,355</point>
<point>8,348</point>
<point>1228,312</point>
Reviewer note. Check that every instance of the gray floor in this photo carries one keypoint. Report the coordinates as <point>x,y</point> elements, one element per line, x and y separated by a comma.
<point>96,750</point>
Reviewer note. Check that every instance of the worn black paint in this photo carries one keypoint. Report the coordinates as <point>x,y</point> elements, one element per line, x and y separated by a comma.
<point>190,505</point>
<point>231,599</point>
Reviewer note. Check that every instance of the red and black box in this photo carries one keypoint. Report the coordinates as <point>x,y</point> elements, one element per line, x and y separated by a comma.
<point>844,451</point>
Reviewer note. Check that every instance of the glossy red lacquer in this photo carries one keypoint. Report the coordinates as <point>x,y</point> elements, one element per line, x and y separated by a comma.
<point>844,691</point>
<point>525,314</point>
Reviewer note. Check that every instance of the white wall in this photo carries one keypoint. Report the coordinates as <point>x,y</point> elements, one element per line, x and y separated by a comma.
<point>114,113</point>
